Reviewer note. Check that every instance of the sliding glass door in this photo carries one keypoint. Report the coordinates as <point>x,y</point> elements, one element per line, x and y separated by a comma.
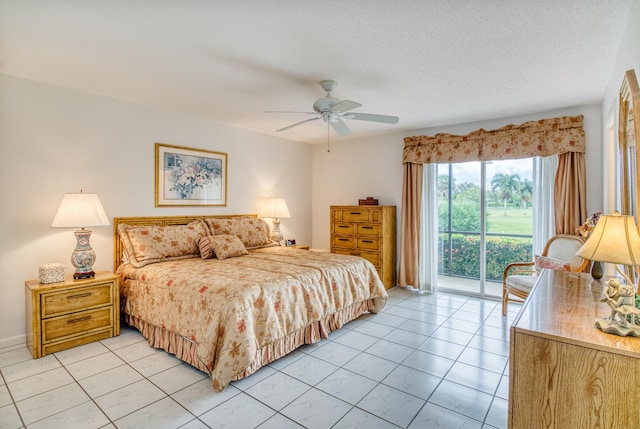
<point>485,222</point>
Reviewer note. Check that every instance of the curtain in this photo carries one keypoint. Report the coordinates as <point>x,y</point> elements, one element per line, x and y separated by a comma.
<point>410,225</point>
<point>544,220</point>
<point>428,269</point>
<point>570,193</point>
<point>562,136</point>
<point>545,137</point>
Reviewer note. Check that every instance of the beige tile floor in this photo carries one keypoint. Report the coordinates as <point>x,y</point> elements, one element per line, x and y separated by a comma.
<point>425,361</point>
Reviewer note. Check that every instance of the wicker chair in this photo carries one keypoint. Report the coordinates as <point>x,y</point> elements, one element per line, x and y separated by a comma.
<point>559,253</point>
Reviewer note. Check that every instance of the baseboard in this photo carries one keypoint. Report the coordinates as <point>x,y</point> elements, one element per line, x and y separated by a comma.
<point>13,341</point>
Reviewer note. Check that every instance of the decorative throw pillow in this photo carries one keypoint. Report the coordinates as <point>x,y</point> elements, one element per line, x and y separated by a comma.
<point>223,246</point>
<point>149,244</point>
<point>206,248</point>
<point>552,264</point>
<point>252,232</point>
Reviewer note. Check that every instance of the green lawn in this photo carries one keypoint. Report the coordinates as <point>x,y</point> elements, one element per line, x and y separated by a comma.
<point>515,222</point>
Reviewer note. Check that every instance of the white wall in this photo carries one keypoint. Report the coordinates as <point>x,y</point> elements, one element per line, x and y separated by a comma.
<point>373,166</point>
<point>54,141</point>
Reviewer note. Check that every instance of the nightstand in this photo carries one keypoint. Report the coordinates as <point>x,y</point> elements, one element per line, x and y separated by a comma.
<point>71,313</point>
<point>300,246</point>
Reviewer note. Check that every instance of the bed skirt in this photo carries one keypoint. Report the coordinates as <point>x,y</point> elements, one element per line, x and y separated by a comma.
<point>185,349</point>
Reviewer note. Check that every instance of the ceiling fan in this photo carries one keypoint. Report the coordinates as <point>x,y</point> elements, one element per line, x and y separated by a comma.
<point>333,111</point>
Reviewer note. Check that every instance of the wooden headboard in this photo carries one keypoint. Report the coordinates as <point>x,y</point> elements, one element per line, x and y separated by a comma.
<point>118,248</point>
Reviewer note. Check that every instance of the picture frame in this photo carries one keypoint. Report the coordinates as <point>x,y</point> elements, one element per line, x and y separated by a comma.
<point>189,177</point>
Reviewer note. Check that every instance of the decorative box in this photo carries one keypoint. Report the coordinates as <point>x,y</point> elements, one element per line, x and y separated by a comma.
<point>368,202</point>
<point>51,273</point>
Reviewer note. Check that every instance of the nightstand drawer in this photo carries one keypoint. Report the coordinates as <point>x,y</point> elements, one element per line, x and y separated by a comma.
<point>76,341</point>
<point>71,324</point>
<point>72,300</point>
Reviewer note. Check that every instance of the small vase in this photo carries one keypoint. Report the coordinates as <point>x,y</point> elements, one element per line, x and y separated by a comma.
<point>596,270</point>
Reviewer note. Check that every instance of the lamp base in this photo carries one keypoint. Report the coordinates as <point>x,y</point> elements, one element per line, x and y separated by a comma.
<point>83,256</point>
<point>276,234</point>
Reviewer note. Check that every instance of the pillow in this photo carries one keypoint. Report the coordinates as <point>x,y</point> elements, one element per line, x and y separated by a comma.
<point>223,246</point>
<point>148,244</point>
<point>252,232</point>
<point>552,264</point>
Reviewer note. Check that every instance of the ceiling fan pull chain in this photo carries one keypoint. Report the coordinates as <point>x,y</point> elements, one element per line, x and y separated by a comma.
<point>328,137</point>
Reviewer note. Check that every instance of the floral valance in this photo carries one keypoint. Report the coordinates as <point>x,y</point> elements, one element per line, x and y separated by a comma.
<point>545,137</point>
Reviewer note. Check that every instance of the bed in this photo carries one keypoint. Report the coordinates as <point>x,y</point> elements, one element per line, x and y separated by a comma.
<point>216,293</point>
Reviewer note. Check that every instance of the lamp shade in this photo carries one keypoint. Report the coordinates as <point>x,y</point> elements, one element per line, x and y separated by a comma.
<point>615,240</point>
<point>276,208</point>
<point>80,210</point>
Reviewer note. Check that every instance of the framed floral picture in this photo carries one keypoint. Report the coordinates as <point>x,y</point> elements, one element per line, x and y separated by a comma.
<point>190,177</point>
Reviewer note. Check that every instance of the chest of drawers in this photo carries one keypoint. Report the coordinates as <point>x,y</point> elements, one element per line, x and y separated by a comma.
<point>71,313</point>
<point>368,232</point>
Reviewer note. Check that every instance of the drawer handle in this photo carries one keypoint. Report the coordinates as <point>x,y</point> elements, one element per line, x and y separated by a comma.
<point>356,213</point>
<point>81,319</point>
<point>367,227</point>
<point>343,226</point>
<point>367,241</point>
<point>343,239</point>
<point>79,295</point>
<point>354,254</point>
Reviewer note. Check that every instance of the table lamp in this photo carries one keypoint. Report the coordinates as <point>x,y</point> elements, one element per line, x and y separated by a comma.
<point>276,208</point>
<point>615,240</point>
<point>79,211</point>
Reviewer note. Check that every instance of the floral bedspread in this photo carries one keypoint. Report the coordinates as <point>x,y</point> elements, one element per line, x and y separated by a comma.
<point>231,309</point>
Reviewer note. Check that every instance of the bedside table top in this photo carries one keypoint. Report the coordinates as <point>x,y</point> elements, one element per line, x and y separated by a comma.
<point>70,281</point>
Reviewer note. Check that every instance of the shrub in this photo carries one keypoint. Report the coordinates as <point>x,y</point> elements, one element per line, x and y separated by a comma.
<point>465,255</point>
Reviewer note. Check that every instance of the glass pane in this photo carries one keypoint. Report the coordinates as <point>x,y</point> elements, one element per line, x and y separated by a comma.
<point>459,213</point>
<point>509,218</point>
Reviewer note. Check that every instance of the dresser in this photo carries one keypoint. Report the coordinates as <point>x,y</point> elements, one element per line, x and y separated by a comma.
<point>368,232</point>
<point>70,313</point>
<point>564,372</point>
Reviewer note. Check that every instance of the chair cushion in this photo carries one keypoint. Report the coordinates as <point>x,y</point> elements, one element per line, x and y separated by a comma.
<point>521,283</point>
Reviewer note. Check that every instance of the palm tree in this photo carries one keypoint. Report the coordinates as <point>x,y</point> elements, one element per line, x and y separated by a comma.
<point>525,192</point>
<point>506,185</point>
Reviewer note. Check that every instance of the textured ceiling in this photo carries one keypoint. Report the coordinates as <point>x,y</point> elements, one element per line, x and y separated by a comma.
<point>430,62</point>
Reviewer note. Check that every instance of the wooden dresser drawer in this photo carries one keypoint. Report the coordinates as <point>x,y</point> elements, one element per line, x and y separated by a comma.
<point>356,215</point>
<point>369,229</point>
<point>368,244</point>
<point>345,242</point>
<point>72,300</point>
<point>344,228</point>
<point>71,324</point>
<point>372,257</point>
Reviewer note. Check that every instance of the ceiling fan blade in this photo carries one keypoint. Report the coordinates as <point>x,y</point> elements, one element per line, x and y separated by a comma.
<point>298,123</point>
<point>289,111</point>
<point>373,118</point>
<point>340,127</point>
<point>345,106</point>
